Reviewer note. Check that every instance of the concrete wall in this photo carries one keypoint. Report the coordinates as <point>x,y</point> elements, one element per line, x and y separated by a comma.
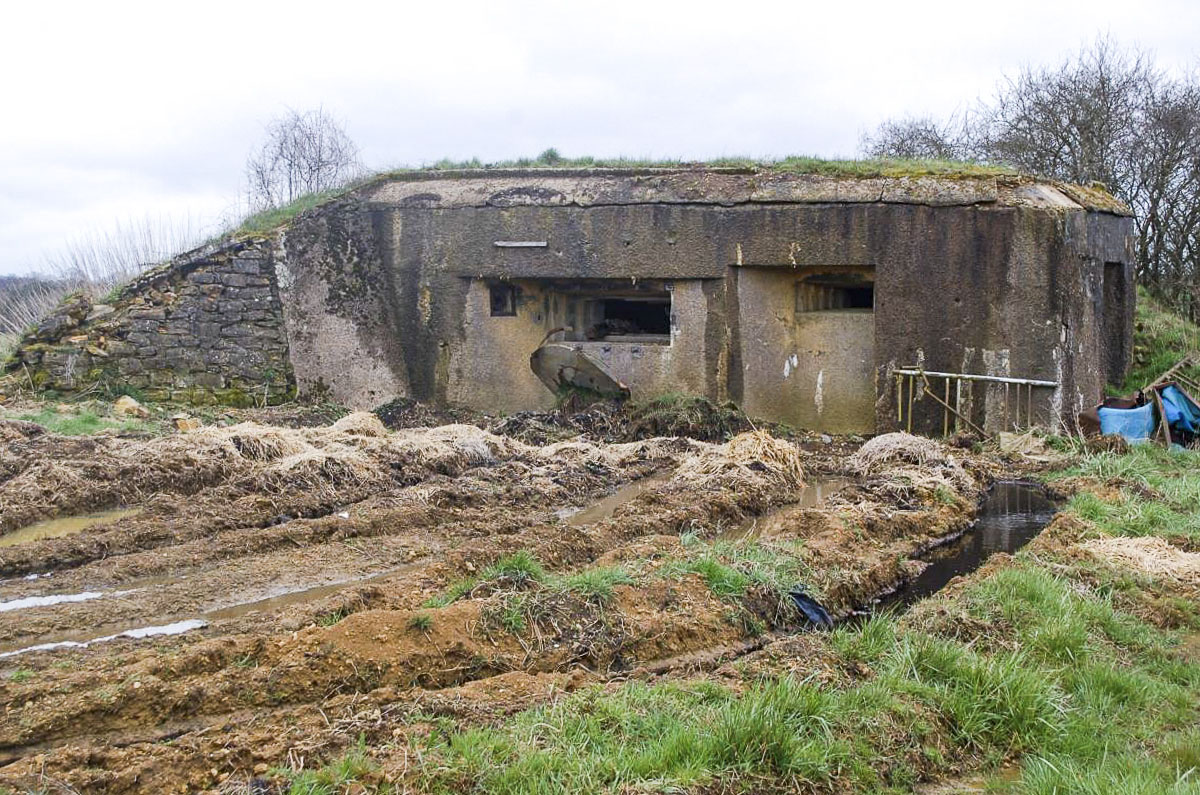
<point>383,293</point>
<point>809,369</point>
<point>968,278</point>
<point>489,368</point>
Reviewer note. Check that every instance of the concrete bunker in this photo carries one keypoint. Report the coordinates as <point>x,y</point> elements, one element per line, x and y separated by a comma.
<point>799,296</point>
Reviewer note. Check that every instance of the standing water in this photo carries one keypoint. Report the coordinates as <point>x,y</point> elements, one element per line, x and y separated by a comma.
<point>69,525</point>
<point>1012,514</point>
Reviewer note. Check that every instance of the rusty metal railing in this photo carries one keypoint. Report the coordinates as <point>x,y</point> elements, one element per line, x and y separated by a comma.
<point>1013,397</point>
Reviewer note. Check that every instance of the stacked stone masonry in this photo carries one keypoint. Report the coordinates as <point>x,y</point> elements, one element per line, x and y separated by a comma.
<point>206,328</point>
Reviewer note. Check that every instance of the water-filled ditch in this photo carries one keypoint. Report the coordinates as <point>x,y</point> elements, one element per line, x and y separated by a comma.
<point>1013,514</point>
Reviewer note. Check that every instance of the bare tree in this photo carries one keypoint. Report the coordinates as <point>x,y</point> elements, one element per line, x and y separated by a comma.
<point>914,138</point>
<point>304,153</point>
<point>1107,115</point>
<point>1077,122</point>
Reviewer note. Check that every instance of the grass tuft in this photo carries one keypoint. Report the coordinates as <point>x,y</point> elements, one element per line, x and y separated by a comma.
<point>596,585</point>
<point>519,570</point>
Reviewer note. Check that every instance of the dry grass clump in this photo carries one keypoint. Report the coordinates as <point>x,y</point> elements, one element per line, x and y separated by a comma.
<point>896,448</point>
<point>356,450</point>
<point>452,448</point>
<point>614,456</point>
<point>910,467</point>
<point>750,456</point>
<point>1150,554</point>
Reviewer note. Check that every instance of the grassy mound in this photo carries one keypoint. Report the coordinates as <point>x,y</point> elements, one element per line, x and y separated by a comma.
<point>692,416</point>
<point>1160,339</point>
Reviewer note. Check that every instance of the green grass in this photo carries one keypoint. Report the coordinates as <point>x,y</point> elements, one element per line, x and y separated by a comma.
<point>732,568</point>
<point>332,617</point>
<point>344,774</point>
<point>20,675</point>
<point>519,569</point>
<point>83,422</point>
<point>421,622</point>
<point>1173,477</point>
<point>1083,692</point>
<point>1160,339</point>
<point>596,584</point>
<point>261,223</point>
<point>1037,661</point>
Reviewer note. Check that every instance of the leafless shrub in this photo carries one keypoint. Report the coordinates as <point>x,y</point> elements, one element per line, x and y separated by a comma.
<point>304,153</point>
<point>916,138</point>
<point>95,262</point>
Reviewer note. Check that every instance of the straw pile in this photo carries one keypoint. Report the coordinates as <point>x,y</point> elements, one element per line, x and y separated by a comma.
<point>747,457</point>
<point>1150,554</point>
<point>613,456</point>
<point>896,448</point>
<point>912,464</point>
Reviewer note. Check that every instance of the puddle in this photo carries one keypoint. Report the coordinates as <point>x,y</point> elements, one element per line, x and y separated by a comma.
<point>1012,514</point>
<point>177,628</point>
<point>288,598</point>
<point>56,599</point>
<point>80,639</point>
<point>813,493</point>
<point>605,508</point>
<point>68,525</point>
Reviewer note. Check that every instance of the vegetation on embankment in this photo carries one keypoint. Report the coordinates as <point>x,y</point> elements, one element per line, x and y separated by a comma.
<point>266,221</point>
<point>1160,339</point>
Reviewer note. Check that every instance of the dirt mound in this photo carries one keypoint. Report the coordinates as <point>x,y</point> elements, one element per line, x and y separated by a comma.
<point>896,448</point>
<point>687,416</point>
<point>909,468</point>
<point>71,475</point>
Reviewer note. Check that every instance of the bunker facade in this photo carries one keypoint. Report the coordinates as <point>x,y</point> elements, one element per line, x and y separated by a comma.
<point>797,296</point>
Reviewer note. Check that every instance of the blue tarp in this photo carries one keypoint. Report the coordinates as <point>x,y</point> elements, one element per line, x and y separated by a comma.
<point>1136,425</point>
<point>1181,412</point>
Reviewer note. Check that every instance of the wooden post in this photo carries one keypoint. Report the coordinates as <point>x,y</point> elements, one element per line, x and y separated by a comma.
<point>946,411</point>
<point>911,380</point>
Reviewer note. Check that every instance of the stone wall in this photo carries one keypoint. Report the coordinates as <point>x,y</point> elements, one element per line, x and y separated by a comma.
<point>205,328</point>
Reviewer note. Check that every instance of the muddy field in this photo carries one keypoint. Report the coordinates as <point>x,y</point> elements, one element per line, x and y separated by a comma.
<point>231,601</point>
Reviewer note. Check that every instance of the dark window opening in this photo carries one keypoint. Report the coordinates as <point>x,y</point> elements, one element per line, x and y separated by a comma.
<point>1112,322</point>
<point>826,297</point>
<point>630,317</point>
<point>503,300</point>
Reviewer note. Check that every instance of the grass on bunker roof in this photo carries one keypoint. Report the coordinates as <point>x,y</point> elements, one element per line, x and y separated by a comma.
<point>1057,667</point>
<point>266,221</point>
<point>801,164</point>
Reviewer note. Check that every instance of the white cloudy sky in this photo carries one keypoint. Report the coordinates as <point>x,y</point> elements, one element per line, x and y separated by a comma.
<point>121,111</point>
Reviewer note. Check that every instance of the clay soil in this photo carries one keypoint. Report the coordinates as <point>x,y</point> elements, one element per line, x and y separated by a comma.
<point>325,577</point>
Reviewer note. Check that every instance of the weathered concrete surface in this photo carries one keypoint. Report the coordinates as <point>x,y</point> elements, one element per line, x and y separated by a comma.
<point>985,275</point>
<point>727,187</point>
<point>489,368</point>
<point>809,369</point>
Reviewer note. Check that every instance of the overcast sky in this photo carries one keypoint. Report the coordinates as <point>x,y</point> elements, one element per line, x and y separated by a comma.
<point>119,112</point>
